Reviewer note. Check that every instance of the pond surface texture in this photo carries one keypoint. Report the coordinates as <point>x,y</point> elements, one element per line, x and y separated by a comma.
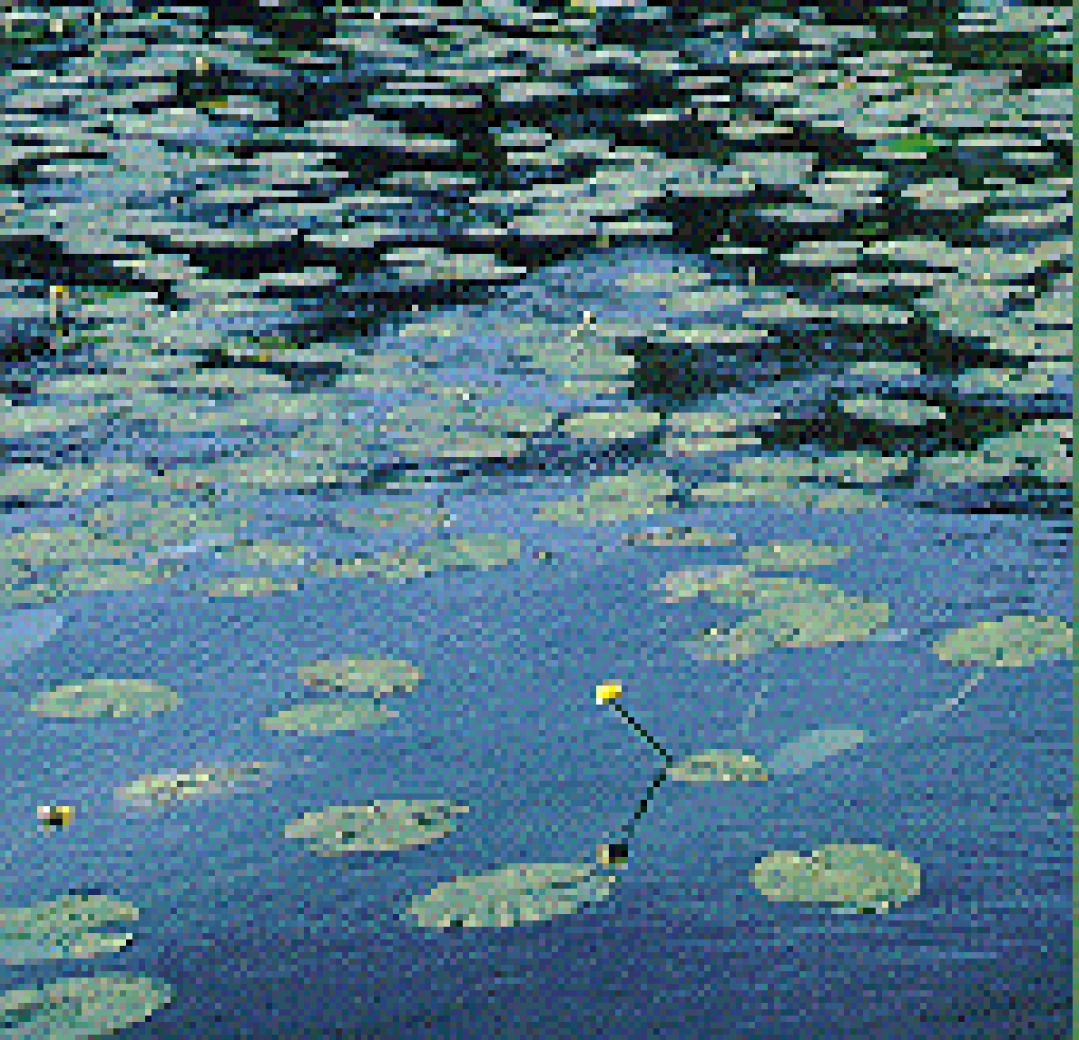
<point>378,381</point>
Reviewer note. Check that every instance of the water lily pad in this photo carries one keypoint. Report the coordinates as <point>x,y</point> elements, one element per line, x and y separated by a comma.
<point>613,499</point>
<point>893,411</point>
<point>326,716</point>
<point>74,1009</point>
<point>519,893</point>
<point>360,675</point>
<point>105,698</point>
<point>716,764</point>
<point>63,928</point>
<point>382,826</point>
<point>480,551</point>
<point>775,556</point>
<point>610,425</point>
<point>243,586</point>
<point>24,631</point>
<point>865,878</point>
<point>1012,642</point>
<point>156,790</point>
<point>844,468</point>
<point>796,756</point>
<point>679,537</point>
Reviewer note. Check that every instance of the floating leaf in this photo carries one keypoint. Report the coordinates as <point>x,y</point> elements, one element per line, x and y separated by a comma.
<point>72,1009</point>
<point>852,467</point>
<point>612,500</point>
<point>360,674</point>
<point>24,631</point>
<point>481,551</point>
<point>382,826</point>
<point>775,556</point>
<point>62,928</point>
<point>330,716</point>
<point>106,698</point>
<point>812,747</point>
<point>716,764</point>
<point>865,878</point>
<point>1012,642</point>
<point>517,894</point>
<point>893,411</point>
<point>679,537</point>
<point>160,789</point>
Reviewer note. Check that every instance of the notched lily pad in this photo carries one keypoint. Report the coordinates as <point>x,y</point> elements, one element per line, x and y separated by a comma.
<point>361,674</point>
<point>105,698</point>
<point>861,878</point>
<point>382,826</point>
<point>1012,642</point>
<point>316,717</point>
<point>72,1009</point>
<point>518,894</point>
<point>716,764</point>
<point>62,928</point>
<point>157,790</point>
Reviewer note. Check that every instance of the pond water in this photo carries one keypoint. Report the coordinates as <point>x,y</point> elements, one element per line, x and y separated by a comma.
<point>721,353</point>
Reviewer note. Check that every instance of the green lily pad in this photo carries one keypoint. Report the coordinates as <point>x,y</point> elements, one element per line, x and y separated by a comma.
<point>244,585</point>
<point>796,756</point>
<point>359,675</point>
<point>1012,642</point>
<point>74,1009</point>
<point>864,878</point>
<point>678,537</point>
<point>317,717</point>
<point>518,894</point>
<point>613,499</point>
<point>63,928</point>
<point>776,556</point>
<point>382,826</point>
<point>893,411</point>
<point>160,789</point>
<point>610,425</point>
<point>716,764</point>
<point>105,698</point>
<point>480,551</point>
<point>844,468</point>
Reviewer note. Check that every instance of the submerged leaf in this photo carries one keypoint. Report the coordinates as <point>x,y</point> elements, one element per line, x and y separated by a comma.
<point>716,764</point>
<point>24,631</point>
<point>382,826</point>
<point>517,894</point>
<point>160,789</point>
<point>865,878</point>
<point>812,747</point>
<point>1011,642</point>
<point>317,717</point>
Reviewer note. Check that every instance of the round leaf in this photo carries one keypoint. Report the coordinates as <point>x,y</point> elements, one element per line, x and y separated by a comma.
<point>1011,642</point>
<point>717,764</point>
<point>382,826</point>
<point>330,716</point>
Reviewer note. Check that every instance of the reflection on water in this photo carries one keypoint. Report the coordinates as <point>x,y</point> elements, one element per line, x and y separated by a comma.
<point>414,332</point>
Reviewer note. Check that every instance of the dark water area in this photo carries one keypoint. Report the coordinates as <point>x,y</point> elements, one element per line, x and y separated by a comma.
<point>518,350</point>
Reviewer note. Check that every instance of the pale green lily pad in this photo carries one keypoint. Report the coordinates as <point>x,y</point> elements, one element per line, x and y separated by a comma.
<point>610,425</point>
<point>740,583</point>
<point>1012,642</point>
<point>242,586</point>
<point>776,556</point>
<point>29,420</point>
<point>360,675</point>
<point>267,553</point>
<point>679,537</point>
<point>864,878</point>
<point>612,500</point>
<point>410,515</point>
<point>105,698</point>
<point>59,483</point>
<point>893,411</point>
<point>802,498</point>
<point>885,370</point>
<point>157,790</point>
<point>517,894</point>
<point>382,826</point>
<point>716,764</point>
<point>1016,382</point>
<point>63,928</point>
<point>796,756</point>
<point>844,468</point>
<point>1038,449</point>
<point>813,622</point>
<point>317,717</point>
<point>481,551</point>
<point>77,1008</point>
